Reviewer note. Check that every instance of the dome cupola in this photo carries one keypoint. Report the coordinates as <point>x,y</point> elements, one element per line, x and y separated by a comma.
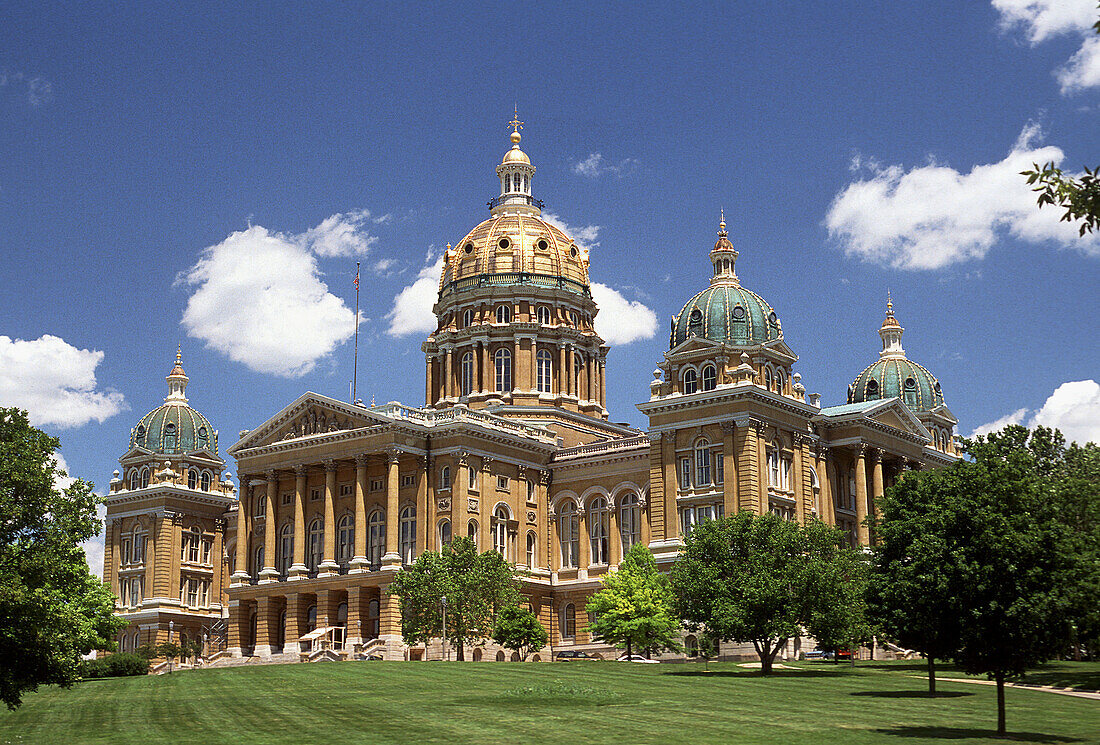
<point>516,174</point>
<point>894,375</point>
<point>726,312</point>
<point>174,427</point>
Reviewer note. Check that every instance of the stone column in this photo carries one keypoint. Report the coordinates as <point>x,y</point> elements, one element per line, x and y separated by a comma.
<point>269,573</point>
<point>241,576</point>
<point>483,366</point>
<point>799,477</point>
<point>861,495</point>
<point>670,518</point>
<point>360,563</point>
<point>764,504</point>
<point>298,569</point>
<point>355,622</point>
<point>729,469</point>
<point>329,566</point>
<point>427,381</point>
<point>266,613</point>
<point>448,374</point>
<point>877,488</point>
<point>392,558</point>
<point>828,508</point>
<point>238,629</point>
<point>563,385</point>
<point>603,380</point>
<point>585,554</point>
<point>591,367</point>
<point>517,368</point>
<point>389,624</point>
<point>570,364</point>
<point>423,524</point>
<point>293,623</point>
<point>555,544</point>
<point>615,544</point>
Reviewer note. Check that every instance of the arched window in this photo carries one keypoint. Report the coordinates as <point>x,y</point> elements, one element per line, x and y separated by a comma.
<point>315,543</point>
<point>710,377</point>
<point>193,541</point>
<point>568,528</point>
<point>144,478</point>
<point>545,370</point>
<point>345,540</point>
<point>779,380</point>
<point>503,362</point>
<point>373,617</point>
<point>205,482</point>
<point>578,365</point>
<point>599,530</point>
<point>542,314</point>
<point>568,621</point>
<point>445,477</point>
<point>467,376</point>
<point>192,478</point>
<point>257,562</point>
<point>526,183</point>
<point>691,646</point>
<point>500,531</point>
<point>444,532</point>
<point>286,548</point>
<point>471,531</point>
<point>376,537</point>
<point>630,521</point>
<point>768,378</point>
<point>407,534</point>
<point>532,556</point>
<point>691,381</point>
<point>872,388</point>
<point>702,463</point>
<point>504,314</point>
<point>507,182</point>
<point>135,479</point>
<point>467,318</point>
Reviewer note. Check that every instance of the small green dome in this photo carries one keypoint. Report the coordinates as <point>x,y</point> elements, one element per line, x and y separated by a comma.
<point>897,377</point>
<point>726,313</point>
<point>174,428</point>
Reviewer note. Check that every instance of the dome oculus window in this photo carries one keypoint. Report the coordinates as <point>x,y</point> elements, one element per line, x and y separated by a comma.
<point>872,387</point>
<point>202,431</point>
<point>543,245</point>
<point>738,313</point>
<point>504,243</point>
<point>573,251</point>
<point>773,318</point>
<point>468,248</point>
<point>910,383</point>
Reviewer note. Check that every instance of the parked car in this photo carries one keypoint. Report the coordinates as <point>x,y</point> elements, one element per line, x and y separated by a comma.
<point>572,654</point>
<point>637,658</point>
<point>820,654</point>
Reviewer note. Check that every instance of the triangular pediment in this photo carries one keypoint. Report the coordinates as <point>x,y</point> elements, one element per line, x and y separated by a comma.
<point>309,414</point>
<point>890,412</point>
<point>692,344</point>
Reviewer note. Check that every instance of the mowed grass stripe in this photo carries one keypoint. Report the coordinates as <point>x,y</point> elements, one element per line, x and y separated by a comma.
<point>567,703</point>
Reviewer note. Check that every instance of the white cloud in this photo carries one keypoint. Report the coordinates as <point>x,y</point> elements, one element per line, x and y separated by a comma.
<point>412,308</point>
<point>1073,408</point>
<point>594,166</point>
<point>932,216</point>
<point>622,321</point>
<point>259,299</point>
<point>342,234</point>
<point>1041,20</point>
<point>55,382</point>
<point>38,89</point>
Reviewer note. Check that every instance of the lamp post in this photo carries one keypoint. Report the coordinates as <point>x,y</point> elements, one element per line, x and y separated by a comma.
<point>171,628</point>
<point>446,655</point>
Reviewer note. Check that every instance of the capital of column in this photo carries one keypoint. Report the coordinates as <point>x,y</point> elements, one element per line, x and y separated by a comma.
<point>362,459</point>
<point>729,426</point>
<point>544,477</point>
<point>270,474</point>
<point>393,455</point>
<point>300,470</point>
<point>329,464</point>
<point>876,455</point>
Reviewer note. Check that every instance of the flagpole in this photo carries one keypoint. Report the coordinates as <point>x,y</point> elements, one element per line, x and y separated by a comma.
<point>355,362</point>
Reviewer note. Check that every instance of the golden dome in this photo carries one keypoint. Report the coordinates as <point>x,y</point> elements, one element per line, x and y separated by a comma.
<point>509,243</point>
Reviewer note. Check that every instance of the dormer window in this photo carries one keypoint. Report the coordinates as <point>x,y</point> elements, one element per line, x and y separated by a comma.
<point>467,319</point>
<point>709,377</point>
<point>691,381</point>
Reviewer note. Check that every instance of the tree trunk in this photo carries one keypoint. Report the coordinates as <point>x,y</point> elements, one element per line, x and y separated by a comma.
<point>628,649</point>
<point>460,657</point>
<point>931,676</point>
<point>766,658</point>
<point>1000,702</point>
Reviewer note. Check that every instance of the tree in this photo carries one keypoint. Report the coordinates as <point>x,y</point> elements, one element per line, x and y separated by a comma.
<point>477,588</point>
<point>913,585</point>
<point>840,619</point>
<point>635,607</point>
<point>749,578</point>
<point>52,609</point>
<point>519,629</point>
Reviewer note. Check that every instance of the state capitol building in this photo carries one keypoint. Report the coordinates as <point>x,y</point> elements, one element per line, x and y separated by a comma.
<point>512,447</point>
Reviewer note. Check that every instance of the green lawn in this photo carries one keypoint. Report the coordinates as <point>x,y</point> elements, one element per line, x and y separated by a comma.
<point>580,702</point>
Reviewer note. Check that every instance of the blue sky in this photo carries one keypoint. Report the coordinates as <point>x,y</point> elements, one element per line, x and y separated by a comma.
<point>187,174</point>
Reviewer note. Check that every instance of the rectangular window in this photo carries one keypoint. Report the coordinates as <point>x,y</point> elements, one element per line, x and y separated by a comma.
<point>345,490</point>
<point>376,485</point>
<point>472,474</point>
<point>531,492</point>
<point>502,483</point>
<point>685,473</point>
<point>288,497</point>
<point>719,468</point>
<point>687,520</point>
<point>314,494</point>
<point>702,467</point>
<point>193,593</point>
<point>125,551</point>
<point>408,479</point>
<point>445,477</point>
<point>193,551</point>
<point>207,549</point>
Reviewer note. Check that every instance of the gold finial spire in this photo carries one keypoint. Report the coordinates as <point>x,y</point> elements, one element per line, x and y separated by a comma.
<point>889,303</point>
<point>179,354</point>
<point>516,126</point>
<point>722,223</point>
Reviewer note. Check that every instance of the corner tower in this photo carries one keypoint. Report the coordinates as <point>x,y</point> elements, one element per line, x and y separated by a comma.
<point>515,317</point>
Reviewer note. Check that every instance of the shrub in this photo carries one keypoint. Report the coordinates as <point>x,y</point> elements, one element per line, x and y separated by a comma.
<point>115,666</point>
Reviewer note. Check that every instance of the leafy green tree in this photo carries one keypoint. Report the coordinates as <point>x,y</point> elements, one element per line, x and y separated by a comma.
<point>635,607</point>
<point>477,588</point>
<point>519,629</point>
<point>758,579</point>
<point>52,609</point>
<point>840,619</point>
<point>1076,497</point>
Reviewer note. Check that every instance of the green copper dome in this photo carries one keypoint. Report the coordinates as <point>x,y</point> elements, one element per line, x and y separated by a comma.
<point>174,427</point>
<point>726,313</point>
<point>897,377</point>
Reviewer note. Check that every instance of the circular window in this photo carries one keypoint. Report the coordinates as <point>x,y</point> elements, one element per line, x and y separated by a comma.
<point>696,316</point>
<point>170,427</point>
<point>773,318</point>
<point>739,313</point>
<point>141,429</point>
<point>468,248</point>
<point>542,244</point>
<point>910,383</point>
<point>872,386</point>
<point>202,431</point>
<point>504,243</point>
<point>573,251</point>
